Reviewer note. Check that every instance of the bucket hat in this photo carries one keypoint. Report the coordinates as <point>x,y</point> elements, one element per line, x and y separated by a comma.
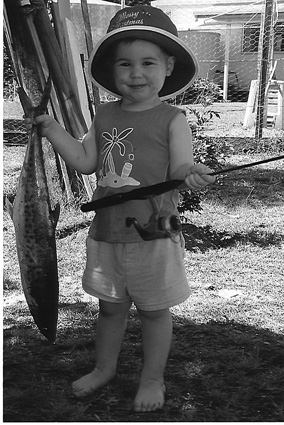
<point>153,25</point>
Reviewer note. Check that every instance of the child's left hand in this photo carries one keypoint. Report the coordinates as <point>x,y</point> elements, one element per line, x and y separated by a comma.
<point>198,177</point>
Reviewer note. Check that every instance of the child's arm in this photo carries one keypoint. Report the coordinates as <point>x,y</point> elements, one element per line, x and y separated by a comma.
<point>82,156</point>
<point>181,157</point>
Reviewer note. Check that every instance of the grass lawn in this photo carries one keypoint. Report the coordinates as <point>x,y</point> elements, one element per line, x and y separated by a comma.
<point>227,358</point>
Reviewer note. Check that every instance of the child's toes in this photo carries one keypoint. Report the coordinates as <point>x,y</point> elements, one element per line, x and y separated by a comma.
<point>150,396</point>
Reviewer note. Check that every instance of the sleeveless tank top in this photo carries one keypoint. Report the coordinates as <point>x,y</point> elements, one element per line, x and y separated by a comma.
<point>133,152</point>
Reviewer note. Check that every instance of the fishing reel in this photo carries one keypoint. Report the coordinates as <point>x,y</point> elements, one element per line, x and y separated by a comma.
<point>163,227</point>
<point>158,227</point>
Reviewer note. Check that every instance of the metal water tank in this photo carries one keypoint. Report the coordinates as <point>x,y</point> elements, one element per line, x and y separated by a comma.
<point>207,48</point>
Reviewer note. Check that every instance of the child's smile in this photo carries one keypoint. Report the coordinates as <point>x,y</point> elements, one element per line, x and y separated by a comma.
<point>140,70</point>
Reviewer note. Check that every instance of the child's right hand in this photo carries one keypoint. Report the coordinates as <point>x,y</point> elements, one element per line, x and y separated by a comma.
<point>28,124</point>
<point>81,156</point>
<point>46,123</point>
<point>198,177</point>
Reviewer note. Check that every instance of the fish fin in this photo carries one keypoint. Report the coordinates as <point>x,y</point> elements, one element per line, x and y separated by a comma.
<point>55,214</point>
<point>42,107</point>
<point>9,207</point>
<point>26,102</point>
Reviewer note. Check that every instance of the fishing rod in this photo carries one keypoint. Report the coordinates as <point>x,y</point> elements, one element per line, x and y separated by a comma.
<point>250,164</point>
<point>160,188</point>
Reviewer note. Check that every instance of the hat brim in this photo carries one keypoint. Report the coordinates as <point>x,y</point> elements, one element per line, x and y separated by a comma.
<point>185,69</point>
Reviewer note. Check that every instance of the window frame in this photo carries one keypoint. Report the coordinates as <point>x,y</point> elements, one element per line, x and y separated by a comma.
<point>251,34</point>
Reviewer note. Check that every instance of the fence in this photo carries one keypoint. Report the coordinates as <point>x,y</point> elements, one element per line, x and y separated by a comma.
<point>229,51</point>
<point>234,42</point>
<point>15,132</point>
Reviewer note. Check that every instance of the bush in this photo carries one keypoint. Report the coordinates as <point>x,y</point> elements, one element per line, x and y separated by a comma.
<point>203,91</point>
<point>200,118</point>
<point>9,82</point>
<point>210,152</point>
<point>206,150</point>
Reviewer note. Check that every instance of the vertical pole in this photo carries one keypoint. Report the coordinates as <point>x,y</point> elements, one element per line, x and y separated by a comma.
<point>249,115</point>
<point>226,62</point>
<point>89,44</point>
<point>265,44</point>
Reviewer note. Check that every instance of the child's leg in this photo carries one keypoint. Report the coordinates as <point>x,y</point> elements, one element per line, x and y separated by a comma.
<point>157,336</point>
<point>110,331</point>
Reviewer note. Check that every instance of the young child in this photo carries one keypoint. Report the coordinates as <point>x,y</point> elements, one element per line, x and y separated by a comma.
<point>134,142</point>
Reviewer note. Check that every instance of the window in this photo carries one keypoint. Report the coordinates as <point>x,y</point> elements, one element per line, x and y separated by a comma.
<point>252,34</point>
<point>251,38</point>
<point>279,37</point>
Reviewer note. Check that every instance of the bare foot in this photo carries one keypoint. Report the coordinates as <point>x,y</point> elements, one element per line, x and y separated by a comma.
<point>91,382</point>
<point>150,396</point>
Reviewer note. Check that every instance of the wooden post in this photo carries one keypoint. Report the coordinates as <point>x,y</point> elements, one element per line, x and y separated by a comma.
<point>89,44</point>
<point>55,106</point>
<point>265,43</point>
<point>58,68</point>
<point>75,69</point>
<point>70,107</point>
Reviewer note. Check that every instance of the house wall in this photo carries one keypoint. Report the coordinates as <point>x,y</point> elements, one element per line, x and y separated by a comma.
<point>243,66</point>
<point>227,20</point>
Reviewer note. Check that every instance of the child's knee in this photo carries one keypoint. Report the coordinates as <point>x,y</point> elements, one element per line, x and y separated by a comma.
<point>154,315</point>
<point>114,309</point>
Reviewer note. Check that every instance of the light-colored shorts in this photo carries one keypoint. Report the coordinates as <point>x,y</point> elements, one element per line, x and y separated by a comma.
<point>151,274</point>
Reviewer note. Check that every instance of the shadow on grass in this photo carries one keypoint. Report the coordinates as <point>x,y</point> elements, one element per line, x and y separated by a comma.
<point>217,371</point>
<point>251,186</point>
<point>271,147</point>
<point>206,237</point>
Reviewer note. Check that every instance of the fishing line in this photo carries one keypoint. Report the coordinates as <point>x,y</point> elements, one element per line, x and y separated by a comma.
<point>240,167</point>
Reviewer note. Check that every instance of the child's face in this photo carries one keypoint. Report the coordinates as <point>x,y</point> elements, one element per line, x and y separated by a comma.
<point>140,70</point>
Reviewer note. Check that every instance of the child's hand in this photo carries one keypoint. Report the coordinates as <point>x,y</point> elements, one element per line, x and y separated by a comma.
<point>28,124</point>
<point>198,177</point>
<point>46,123</point>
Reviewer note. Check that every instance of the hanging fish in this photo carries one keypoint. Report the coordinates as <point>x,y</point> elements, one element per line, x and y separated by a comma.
<point>35,222</point>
